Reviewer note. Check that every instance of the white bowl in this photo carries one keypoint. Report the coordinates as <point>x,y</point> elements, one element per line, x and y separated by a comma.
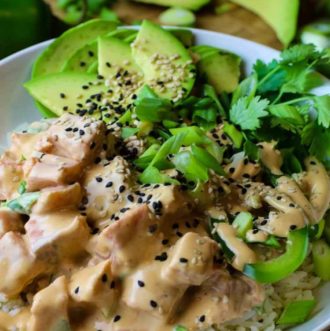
<point>17,107</point>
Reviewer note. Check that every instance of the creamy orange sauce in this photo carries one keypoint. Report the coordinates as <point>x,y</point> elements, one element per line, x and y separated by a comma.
<point>98,251</point>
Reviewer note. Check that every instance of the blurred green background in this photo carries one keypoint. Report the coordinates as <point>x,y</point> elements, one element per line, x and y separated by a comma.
<point>276,23</point>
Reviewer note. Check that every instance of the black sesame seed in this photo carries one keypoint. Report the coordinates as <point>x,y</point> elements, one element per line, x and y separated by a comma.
<point>99,179</point>
<point>62,95</point>
<point>279,198</point>
<point>122,188</point>
<point>65,108</point>
<point>254,231</point>
<point>68,129</point>
<point>113,284</point>
<point>75,129</point>
<point>85,87</point>
<point>152,228</point>
<point>264,222</point>
<point>246,161</point>
<point>244,190</point>
<point>140,283</point>
<point>246,175</point>
<point>90,53</point>
<point>108,184</point>
<point>92,145</point>
<point>175,226</point>
<point>81,132</point>
<point>312,162</point>
<point>231,170</point>
<point>108,64</point>
<point>139,200</point>
<point>183,260</point>
<point>104,278</point>
<point>82,63</point>
<point>202,318</point>
<point>165,241</point>
<point>153,304</point>
<point>293,227</point>
<point>116,318</point>
<point>76,291</point>
<point>130,198</point>
<point>291,205</point>
<point>97,160</point>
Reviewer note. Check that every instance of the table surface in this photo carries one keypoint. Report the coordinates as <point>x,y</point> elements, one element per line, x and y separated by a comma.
<point>238,21</point>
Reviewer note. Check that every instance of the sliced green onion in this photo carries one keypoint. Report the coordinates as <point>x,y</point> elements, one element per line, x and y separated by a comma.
<point>235,135</point>
<point>180,328</point>
<point>281,267</point>
<point>191,168</point>
<point>243,222</point>
<point>321,259</point>
<point>171,146</point>
<point>192,135</point>
<point>23,203</point>
<point>296,312</point>
<point>177,16</point>
<point>152,175</point>
<point>205,158</point>
<point>22,187</point>
<point>128,132</point>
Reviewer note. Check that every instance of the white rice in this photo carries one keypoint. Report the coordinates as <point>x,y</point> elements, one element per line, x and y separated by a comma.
<point>298,286</point>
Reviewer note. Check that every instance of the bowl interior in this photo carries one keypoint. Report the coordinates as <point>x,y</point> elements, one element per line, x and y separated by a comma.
<point>17,108</point>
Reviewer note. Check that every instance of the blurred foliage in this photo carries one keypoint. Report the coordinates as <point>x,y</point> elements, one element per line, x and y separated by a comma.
<point>73,12</point>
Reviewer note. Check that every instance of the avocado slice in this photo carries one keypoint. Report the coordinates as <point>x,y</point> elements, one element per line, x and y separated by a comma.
<point>62,92</point>
<point>82,58</point>
<point>221,70</point>
<point>115,54</point>
<point>116,64</point>
<point>165,62</point>
<point>187,4</point>
<point>57,53</point>
<point>281,15</point>
<point>93,68</point>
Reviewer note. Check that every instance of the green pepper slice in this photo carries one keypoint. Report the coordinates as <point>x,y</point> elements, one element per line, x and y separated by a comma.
<point>281,267</point>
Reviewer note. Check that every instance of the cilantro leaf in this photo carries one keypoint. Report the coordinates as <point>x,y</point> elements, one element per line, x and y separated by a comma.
<point>247,113</point>
<point>271,76</point>
<point>300,53</point>
<point>300,79</point>
<point>286,116</point>
<point>320,146</point>
<point>322,105</point>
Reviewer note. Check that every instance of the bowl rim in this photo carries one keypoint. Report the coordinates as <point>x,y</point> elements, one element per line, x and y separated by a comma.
<point>225,38</point>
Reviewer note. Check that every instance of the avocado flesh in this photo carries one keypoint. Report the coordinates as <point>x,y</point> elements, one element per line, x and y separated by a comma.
<point>222,71</point>
<point>55,56</point>
<point>47,90</point>
<point>164,61</point>
<point>281,15</point>
<point>187,4</point>
<point>82,59</point>
<point>116,64</point>
<point>85,56</point>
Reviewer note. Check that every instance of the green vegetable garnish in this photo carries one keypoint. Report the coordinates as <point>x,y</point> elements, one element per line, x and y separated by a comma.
<point>243,222</point>
<point>281,267</point>
<point>23,203</point>
<point>321,259</point>
<point>296,312</point>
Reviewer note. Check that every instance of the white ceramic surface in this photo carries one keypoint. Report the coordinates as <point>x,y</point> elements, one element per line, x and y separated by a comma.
<point>17,107</point>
